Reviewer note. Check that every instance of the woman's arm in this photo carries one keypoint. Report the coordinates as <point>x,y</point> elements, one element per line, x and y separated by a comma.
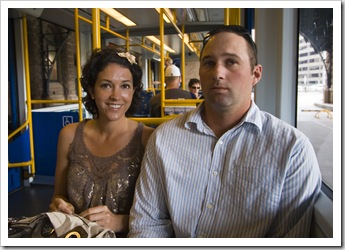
<point>60,200</point>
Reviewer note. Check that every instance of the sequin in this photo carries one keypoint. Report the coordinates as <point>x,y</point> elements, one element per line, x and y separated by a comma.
<point>110,181</point>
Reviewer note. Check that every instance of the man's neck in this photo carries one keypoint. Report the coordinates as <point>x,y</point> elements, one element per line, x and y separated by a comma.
<point>221,121</point>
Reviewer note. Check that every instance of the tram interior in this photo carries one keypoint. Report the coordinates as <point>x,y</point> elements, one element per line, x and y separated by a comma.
<point>55,94</point>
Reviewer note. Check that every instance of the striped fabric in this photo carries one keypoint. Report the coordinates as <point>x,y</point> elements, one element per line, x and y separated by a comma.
<point>260,179</point>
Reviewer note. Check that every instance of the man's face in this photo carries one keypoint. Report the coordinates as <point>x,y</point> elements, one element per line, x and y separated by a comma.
<point>195,88</point>
<point>225,73</point>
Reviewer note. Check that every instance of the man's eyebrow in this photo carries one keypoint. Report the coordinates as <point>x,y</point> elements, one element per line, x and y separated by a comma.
<point>225,54</point>
<point>231,55</point>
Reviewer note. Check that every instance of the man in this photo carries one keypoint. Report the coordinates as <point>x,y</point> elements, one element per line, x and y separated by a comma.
<point>194,87</point>
<point>226,169</point>
<point>172,90</point>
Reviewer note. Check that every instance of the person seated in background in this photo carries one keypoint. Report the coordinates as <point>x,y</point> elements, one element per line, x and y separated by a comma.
<point>98,159</point>
<point>195,87</point>
<point>167,62</point>
<point>172,90</point>
<point>226,169</point>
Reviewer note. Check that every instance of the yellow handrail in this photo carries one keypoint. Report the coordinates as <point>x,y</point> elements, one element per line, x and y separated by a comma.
<point>153,120</point>
<point>77,51</point>
<point>96,31</point>
<point>30,163</point>
<point>232,16</point>
<point>161,32</point>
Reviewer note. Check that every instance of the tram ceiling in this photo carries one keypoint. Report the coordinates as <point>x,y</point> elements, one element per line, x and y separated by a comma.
<point>197,21</point>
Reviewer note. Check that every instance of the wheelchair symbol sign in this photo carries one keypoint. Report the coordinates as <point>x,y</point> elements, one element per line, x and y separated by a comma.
<point>67,120</point>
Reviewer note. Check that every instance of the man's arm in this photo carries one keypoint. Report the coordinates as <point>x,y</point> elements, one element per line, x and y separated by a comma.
<point>149,217</point>
<point>300,192</point>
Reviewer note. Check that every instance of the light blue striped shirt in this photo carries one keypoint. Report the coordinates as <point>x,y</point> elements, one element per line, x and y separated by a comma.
<point>260,179</point>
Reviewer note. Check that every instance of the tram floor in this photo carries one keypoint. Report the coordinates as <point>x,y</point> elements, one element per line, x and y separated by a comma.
<point>29,201</point>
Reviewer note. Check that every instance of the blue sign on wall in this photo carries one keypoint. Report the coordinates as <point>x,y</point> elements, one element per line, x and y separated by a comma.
<point>46,129</point>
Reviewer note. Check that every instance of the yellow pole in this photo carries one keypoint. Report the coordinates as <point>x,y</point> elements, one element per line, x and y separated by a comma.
<point>226,16</point>
<point>77,48</point>
<point>96,31</point>
<point>235,16</point>
<point>127,40</point>
<point>149,69</point>
<point>183,59</point>
<point>161,30</point>
<point>28,93</point>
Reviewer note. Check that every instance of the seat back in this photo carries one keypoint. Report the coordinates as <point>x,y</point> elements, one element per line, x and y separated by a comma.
<point>322,221</point>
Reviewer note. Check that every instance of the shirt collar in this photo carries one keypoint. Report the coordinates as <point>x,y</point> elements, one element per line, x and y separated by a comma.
<point>252,116</point>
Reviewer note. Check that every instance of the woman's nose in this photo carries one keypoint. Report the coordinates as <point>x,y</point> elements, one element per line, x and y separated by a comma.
<point>115,94</point>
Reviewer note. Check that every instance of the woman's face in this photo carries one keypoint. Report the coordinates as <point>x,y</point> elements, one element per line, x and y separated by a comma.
<point>113,92</point>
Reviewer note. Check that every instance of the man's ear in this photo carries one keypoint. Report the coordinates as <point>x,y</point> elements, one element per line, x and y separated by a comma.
<point>257,73</point>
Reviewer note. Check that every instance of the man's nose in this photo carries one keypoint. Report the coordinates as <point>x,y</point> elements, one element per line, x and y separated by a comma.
<point>218,71</point>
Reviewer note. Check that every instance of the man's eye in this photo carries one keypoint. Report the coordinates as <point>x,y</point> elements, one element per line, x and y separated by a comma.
<point>231,62</point>
<point>208,63</point>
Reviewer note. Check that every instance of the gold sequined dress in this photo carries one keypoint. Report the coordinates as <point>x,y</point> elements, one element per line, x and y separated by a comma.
<point>93,180</point>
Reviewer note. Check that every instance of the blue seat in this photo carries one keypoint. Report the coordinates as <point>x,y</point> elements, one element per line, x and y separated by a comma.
<point>143,107</point>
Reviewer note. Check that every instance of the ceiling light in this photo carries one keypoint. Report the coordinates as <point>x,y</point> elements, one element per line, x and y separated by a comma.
<point>157,41</point>
<point>118,16</point>
<point>167,10</point>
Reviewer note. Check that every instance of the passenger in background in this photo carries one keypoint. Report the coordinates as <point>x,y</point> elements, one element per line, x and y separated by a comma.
<point>167,62</point>
<point>98,160</point>
<point>195,87</point>
<point>172,90</point>
<point>226,169</point>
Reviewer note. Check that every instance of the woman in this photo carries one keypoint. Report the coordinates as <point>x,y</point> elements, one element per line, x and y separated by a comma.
<point>98,160</point>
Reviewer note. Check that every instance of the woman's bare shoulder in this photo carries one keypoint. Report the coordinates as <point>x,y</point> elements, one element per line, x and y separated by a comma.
<point>147,131</point>
<point>67,132</point>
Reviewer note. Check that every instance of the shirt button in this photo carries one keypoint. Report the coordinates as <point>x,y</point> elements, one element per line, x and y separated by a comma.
<point>220,142</point>
<point>215,173</point>
<point>209,206</point>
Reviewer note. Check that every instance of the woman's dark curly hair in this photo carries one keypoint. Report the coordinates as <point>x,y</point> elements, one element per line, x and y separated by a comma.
<point>99,59</point>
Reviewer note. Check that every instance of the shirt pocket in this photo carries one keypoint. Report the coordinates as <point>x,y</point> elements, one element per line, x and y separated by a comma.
<point>255,189</point>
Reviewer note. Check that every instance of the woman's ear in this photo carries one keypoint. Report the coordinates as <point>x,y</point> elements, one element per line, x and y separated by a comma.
<point>91,93</point>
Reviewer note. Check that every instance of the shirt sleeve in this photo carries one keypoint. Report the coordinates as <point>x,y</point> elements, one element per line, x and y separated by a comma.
<point>149,217</point>
<point>300,192</point>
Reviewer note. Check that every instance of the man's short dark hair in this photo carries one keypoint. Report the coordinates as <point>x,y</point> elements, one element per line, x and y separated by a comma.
<point>241,31</point>
<point>192,81</point>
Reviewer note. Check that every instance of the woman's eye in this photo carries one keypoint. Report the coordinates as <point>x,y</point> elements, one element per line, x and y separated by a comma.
<point>105,85</point>
<point>126,86</point>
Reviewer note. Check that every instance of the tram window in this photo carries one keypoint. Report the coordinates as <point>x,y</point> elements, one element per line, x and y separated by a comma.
<point>315,85</point>
<point>54,70</point>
